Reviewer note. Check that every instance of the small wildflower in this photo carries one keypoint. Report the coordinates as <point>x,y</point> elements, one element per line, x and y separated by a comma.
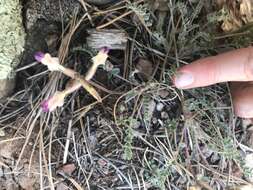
<point>39,56</point>
<point>99,59</point>
<point>44,106</point>
<point>57,100</point>
<point>46,59</point>
<point>105,50</point>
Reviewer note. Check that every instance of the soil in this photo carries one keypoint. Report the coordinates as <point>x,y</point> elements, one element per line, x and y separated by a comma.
<point>26,174</point>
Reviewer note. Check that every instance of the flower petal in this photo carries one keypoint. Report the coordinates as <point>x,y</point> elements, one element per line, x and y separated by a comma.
<point>105,50</point>
<point>57,100</point>
<point>44,106</point>
<point>39,56</point>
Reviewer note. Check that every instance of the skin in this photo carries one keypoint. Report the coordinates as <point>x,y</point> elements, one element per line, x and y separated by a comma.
<point>235,67</point>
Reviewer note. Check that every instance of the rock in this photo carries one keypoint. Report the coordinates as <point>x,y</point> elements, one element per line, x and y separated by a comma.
<point>6,87</point>
<point>40,38</point>
<point>53,10</point>
<point>50,11</point>
<point>12,38</point>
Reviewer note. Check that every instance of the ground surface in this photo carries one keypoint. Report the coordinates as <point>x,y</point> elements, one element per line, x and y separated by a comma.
<point>145,134</point>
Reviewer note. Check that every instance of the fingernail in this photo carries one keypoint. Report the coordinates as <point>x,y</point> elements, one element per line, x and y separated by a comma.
<point>183,79</point>
<point>39,56</point>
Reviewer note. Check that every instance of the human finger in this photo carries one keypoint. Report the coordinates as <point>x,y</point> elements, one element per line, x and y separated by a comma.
<point>231,66</point>
<point>242,98</point>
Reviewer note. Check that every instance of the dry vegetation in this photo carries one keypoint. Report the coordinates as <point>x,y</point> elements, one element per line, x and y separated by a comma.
<point>145,134</point>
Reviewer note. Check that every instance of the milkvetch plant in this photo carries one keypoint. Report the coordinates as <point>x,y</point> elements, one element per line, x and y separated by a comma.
<point>77,81</point>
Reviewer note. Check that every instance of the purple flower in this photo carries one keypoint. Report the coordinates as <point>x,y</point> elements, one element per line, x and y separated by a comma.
<point>105,50</point>
<point>44,106</point>
<point>39,56</point>
<point>57,100</point>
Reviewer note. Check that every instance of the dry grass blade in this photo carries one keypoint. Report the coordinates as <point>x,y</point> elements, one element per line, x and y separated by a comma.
<point>66,149</point>
<point>63,51</point>
<point>114,20</point>
<point>3,164</point>
<point>77,186</point>
<point>31,128</point>
<point>89,88</point>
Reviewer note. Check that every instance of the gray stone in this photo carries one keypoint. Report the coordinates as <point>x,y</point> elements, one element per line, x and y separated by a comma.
<point>12,39</point>
<point>49,10</point>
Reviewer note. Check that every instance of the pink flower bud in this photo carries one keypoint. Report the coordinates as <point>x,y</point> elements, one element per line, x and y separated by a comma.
<point>105,50</point>
<point>39,56</point>
<point>57,100</point>
<point>52,63</point>
<point>44,106</point>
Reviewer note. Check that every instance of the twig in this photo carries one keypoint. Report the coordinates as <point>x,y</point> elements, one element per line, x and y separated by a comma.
<point>66,149</point>
<point>114,20</point>
<point>26,67</point>
<point>85,8</point>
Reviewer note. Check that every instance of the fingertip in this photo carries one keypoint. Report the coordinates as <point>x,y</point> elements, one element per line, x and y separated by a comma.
<point>183,79</point>
<point>242,99</point>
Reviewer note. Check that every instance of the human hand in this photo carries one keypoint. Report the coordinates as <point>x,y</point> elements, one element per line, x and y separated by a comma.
<point>235,67</point>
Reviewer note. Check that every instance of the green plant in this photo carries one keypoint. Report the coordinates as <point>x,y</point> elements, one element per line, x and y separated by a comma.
<point>148,107</point>
<point>171,124</point>
<point>129,136</point>
<point>142,11</point>
<point>159,176</point>
<point>218,16</point>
